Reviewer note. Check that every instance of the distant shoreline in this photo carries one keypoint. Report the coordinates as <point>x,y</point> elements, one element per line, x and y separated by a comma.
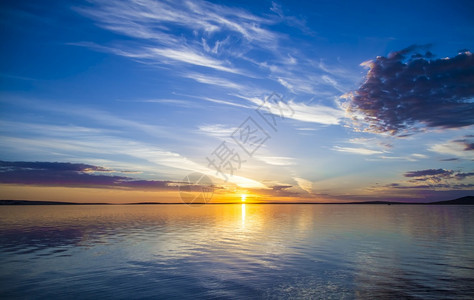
<point>468,200</point>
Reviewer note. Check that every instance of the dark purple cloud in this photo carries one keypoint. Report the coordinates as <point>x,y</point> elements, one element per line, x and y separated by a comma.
<point>280,187</point>
<point>279,190</point>
<point>70,175</point>
<point>57,166</point>
<point>435,183</point>
<point>450,159</point>
<point>436,175</point>
<point>408,89</point>
<point>467,143</point>
<point>429,172</point>
<point>434,186</point>
<point>461,176</point>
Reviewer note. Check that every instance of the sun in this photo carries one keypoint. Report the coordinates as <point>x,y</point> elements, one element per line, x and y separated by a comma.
<point>243,197</point>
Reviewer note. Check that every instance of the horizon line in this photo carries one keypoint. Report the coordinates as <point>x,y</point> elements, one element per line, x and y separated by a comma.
<point>469,200</point>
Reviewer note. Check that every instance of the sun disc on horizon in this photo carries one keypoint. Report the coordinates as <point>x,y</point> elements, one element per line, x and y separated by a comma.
<point>243,197</point>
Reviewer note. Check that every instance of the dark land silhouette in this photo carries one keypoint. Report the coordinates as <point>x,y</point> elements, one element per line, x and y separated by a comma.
<point>467,200</point>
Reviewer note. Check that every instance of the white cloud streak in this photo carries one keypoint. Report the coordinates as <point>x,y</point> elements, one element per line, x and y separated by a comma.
<point>452,148</point>
<point>315,113</point>
<point>221,82</point>
<point>304,184</point>
<point>154,23</point>
<point>360,151</point>
<point>217,130</point>
<point>276,160</point>
<point>192,57</point>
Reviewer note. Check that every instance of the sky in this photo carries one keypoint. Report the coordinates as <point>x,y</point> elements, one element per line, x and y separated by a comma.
<point>281,101</point>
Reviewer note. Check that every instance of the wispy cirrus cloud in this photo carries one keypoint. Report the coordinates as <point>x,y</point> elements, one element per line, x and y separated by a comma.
<point>276,160</point>
<point>155,26</point>
<point>216,81</point>
<point>373,141</point>
<point>304,184</point>
<point>224,102</point>
<point>461,147</point>
<point>299,23</point>
<point>299,111</point>
<point>408,157</point>
<point>151,54</point>
<point>357,150</point>
<point>215,36</point>
<point>230,101</point>
<point>217,130</point>
<point>407,90</point>
<point>316,113</point>
<point>176,102</point>
<point>303,82</point>
<point>185,36</point>
<point>189,56</point>
<point>97,116</point>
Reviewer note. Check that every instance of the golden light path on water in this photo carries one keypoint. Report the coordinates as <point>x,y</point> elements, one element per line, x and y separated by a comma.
<point>243,197</point>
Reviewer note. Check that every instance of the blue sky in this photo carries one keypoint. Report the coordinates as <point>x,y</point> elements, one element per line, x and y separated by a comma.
<point>381,97</point>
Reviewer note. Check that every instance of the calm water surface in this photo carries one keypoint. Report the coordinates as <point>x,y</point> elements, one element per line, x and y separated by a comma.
<point>237,251</point>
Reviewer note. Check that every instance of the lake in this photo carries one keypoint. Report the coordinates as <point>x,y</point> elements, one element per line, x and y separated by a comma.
<point>237,251</point>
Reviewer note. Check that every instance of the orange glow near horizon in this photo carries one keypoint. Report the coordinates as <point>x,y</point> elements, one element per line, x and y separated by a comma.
<point>123,196</point>
<point>112,196</point>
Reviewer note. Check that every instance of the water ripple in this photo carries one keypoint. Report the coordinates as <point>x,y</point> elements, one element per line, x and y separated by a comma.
<point>214,252</point>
